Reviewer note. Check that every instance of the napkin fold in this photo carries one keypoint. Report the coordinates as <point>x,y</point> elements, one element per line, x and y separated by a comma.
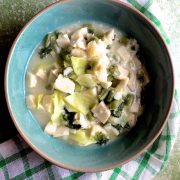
<point>19,161</point>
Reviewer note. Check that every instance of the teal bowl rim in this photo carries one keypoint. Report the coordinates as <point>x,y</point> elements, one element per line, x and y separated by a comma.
<point>29,141</point>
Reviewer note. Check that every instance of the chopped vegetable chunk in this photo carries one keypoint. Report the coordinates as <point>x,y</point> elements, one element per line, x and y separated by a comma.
<point>31,80</point>
<point>64,84</point>
<point>79,65</point>
<point>100,138</point>
<point>87,80</point>
<point>101,112</point>
<point>80,103</point>
<point>50,128</point>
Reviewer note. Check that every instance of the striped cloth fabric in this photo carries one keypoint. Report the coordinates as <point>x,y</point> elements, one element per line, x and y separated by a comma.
<point>19,161</point>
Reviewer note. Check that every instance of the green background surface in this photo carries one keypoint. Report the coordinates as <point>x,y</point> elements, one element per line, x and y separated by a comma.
<point>13,16</point>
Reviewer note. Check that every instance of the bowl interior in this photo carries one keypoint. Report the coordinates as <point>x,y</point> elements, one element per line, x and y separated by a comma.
<point>159,92</point>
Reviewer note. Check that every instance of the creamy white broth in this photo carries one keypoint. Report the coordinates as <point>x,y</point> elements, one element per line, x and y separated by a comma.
<point>119,54</point>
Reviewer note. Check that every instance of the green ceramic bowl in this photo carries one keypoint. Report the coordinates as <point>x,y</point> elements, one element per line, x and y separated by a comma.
<point>158,97</point>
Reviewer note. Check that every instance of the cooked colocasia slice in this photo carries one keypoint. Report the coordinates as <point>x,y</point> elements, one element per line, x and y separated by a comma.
<point>64,84</point>
<point>31,80</point>
<point>50,128</point>
<point>101,112</point>
<point>63,40</point>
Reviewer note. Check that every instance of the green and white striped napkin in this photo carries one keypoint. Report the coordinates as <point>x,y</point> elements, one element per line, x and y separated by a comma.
<point>19,161</point>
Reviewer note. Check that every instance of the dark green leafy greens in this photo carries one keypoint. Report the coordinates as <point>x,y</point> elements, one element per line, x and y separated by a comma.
<point>65,53</point>
<point>44,52</point>
<point>69,117</point>
<point>100,138</point>
<point>48,45</point>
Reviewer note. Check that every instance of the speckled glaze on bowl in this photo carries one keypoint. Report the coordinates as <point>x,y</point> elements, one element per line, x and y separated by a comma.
<point>158,98</point>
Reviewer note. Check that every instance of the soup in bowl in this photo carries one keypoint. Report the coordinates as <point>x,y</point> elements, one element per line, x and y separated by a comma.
<point>89,84</point>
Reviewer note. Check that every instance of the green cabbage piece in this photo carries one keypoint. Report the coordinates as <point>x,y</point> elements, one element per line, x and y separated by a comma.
<point>87,80</point>
<point>79,64</point>
<point>38,101</point>
<point>58,103</point>
<point>80,103</point>
<point>81,138</point>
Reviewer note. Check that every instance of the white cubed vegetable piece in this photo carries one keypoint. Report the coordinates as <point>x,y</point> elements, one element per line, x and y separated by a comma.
<point>77,52</point>
<point>64,84</point>
<point>98,51</point>
<point>61,131</point>
<point>101,69</point>
<point>80,43</point>
<point>135,107</point>
<point>79,34</point>
<point>47,103</point>
<point>42,74</point>
<point>124,54</point>
<point>121,89</point>
<point>101,73</point>
<point>31,101</point>
<point>31,80</point>
<point>123,72</point>
<point>97,128</point>
<point>109,37</point>
<point>67,71</point>
<point>101,112</point>
<point>92,50</point>
<point>63,40</point>
<point>80,119</point>
<point>50,128</point>
<point>95,50</point>
<point>77,38</point>
<point>118,95</point>
<point>132,120</point>
<point>111,131</point>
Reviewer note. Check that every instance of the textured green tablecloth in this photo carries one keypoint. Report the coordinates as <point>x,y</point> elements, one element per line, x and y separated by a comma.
<point>171,17</point>
<point>15,13</point>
